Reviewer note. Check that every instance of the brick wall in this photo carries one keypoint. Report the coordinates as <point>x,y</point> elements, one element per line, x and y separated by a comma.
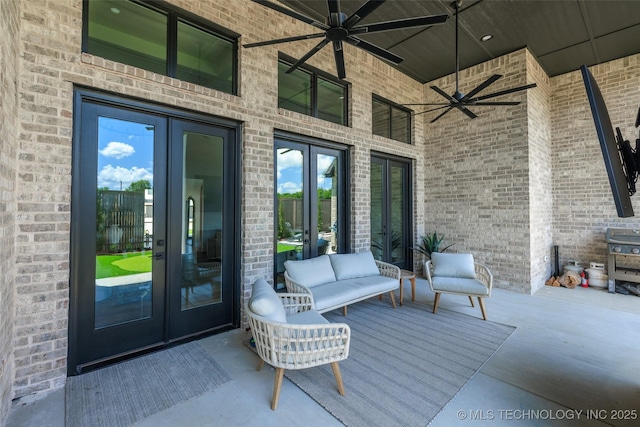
<point>582,202</point>
<point>9,24</point>
<point>477,173</point>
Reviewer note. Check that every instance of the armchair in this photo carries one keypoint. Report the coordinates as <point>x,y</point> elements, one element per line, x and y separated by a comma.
<point>290,334</point>
<point>458,274</point>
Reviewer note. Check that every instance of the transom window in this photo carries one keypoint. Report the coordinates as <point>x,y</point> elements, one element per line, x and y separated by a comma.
<point>309,92</point>
<point>163,41</point>
<point>391,120</point>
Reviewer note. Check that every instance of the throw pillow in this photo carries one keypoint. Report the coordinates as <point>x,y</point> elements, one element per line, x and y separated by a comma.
<point>352,266</point>
<point>311,272</point>
<point>265,302</point>
<point>453,265</point>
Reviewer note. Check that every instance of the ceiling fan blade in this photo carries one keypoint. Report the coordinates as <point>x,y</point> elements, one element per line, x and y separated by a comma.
<point>431,109</point>
<point>429,103</point>
<point>338,53</point>
<point>308,55</point>
<point>495,103</point>
<point>334,12</point>
<point>292,14</point>
<point>442,114</point>
<point>443,93</point>
<point>504,92</point>
<point>362,13</point>
<point>402,23</point>
<point>285,40</point>
<point>482,86</point>
<point>465,110</point>
<point>375,50</point>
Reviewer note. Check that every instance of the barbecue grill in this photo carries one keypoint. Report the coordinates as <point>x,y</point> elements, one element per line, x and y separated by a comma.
<point>622,242</point>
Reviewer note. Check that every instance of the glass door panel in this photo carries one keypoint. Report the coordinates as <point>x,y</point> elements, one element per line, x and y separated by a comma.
<point>399,206</point>
<point>290,206</point>
<point>328,186</point>
<point>202,191</point>
<point>390,210</point>
<point>378,213</point>
<point>124,259</point>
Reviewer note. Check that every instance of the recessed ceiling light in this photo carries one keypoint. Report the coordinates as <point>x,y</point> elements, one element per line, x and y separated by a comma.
<point>486,37</point>
<point>115,10</point>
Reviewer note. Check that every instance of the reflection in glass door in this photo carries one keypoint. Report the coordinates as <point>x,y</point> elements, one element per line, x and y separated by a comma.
<point>202,242</point>
<point>390,211</point>
<point>124,256</point>
<point>310,207</point>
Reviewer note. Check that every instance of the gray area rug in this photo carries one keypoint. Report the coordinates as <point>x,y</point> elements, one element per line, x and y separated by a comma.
<point>127,392</point>
<point>404,365</point>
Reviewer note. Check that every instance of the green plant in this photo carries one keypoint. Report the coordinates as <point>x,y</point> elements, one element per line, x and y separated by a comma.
<point>431,243</point>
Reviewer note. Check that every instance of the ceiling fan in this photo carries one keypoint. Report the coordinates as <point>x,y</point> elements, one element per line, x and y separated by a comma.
<point>461,101</point>
<point>340,28</point>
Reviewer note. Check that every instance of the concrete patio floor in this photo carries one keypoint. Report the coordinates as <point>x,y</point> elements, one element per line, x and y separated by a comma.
<point>574,360</point>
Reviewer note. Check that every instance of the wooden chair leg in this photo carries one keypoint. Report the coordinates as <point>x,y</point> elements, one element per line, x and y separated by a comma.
<point>435,302</point>
<point>401,290</point>
<point>413,289</point>
<point>481,303</point>
<point>260,365</point>
<point>393,299</point>
<point>344,310</point>
<point>276,388</point>
<point>336,373</point>
<point>471,299</point>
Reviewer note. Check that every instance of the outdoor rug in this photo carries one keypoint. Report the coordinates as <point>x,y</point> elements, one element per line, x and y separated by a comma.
<point>130,391</point>
<point>404,365</point>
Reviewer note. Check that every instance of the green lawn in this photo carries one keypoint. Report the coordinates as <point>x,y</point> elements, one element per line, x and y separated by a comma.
<point>284,247</point>
<point>123,264</point>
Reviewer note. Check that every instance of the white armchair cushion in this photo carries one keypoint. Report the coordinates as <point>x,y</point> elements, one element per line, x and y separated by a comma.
<point>459,286</point>
<point>265,302</point>
<point>311,272</point>
<point>453,265</point>
<point>352,266</point>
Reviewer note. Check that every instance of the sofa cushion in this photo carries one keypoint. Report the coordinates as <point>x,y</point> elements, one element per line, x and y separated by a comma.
<point>311,272</point>
<point>352,266</point>
<point>459,285</point>
<point>453,265</point>
<point>343,292</point>
<point>265,302</point>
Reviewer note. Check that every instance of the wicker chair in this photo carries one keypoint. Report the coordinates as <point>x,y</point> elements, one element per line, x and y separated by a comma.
<point>302,339</point>
<point>458,274</point>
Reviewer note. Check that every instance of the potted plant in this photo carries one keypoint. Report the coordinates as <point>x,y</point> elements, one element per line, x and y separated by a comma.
<point>431,243</point>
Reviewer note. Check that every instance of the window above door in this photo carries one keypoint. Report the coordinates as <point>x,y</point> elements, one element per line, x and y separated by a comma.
<point>312,92</point>
<point>165,41</point>
<point>391,120</point>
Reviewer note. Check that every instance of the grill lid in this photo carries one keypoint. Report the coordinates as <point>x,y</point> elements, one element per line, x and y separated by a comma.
<point>623,236</point>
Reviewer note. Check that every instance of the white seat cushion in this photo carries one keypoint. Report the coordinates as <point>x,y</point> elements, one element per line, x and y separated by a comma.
<point>459,285</point>
<point>265,302</point>
<point>344,292</point>
<point>309,317</point>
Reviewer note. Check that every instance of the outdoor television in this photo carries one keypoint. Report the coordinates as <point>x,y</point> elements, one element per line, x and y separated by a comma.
<point>620,159</point>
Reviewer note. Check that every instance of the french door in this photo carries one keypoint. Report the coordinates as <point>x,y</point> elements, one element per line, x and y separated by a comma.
<point>152,250</point>
<point>311,201</point>
<point>391,210</point>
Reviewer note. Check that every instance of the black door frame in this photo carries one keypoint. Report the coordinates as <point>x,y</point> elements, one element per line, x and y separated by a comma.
<point>316,146</point>
<point>83,96</point>
<point>387,160</point>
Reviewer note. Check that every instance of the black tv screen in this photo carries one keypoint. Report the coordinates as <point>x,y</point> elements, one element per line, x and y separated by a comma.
<point>608,146</point>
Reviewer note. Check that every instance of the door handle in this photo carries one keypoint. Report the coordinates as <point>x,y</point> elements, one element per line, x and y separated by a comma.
<point>158,255</point>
